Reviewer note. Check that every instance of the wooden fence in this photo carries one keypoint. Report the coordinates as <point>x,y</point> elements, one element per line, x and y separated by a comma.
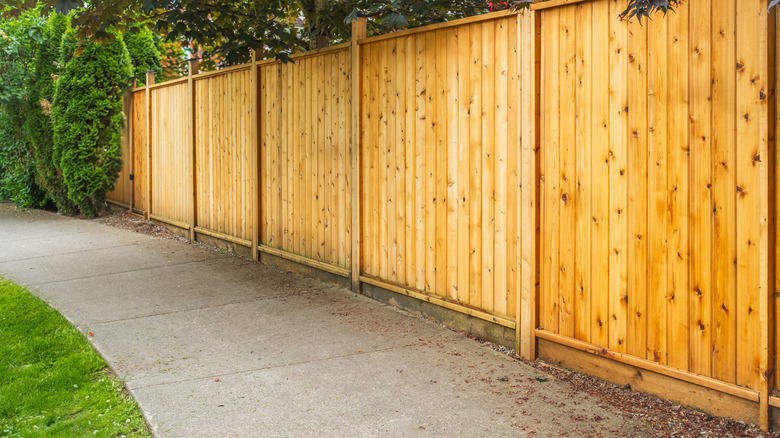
<point>652,146</point>
<point>305,172</point>
<point>632,238</point>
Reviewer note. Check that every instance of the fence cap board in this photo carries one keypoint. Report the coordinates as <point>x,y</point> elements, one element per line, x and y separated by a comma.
<point>222,71</point>
<point>168,83</point>
<point>433,27</point>
<point>554,4</point>
<point>343,47</point>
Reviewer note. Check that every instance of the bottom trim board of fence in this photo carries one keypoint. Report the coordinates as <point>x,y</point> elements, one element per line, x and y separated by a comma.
<point>481,314</point>
<point>337,270</point>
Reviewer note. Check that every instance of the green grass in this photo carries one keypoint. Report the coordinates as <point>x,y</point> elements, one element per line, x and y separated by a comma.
<point>52,382</point>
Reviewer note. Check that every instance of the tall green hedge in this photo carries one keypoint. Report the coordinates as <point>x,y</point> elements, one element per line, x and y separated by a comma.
<point>39,126</point>
<point>88,118</point>
<point>143,51</point>
<point>20,38</point>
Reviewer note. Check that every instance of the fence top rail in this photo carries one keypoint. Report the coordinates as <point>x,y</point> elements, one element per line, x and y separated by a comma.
<point>166,84</point>
<point>554,4</point>
<point>309,53</point>
<point>444,25</point>
<point>222,71</point>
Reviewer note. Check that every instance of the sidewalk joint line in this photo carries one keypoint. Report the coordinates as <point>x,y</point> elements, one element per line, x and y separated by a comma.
<point>271,367</point>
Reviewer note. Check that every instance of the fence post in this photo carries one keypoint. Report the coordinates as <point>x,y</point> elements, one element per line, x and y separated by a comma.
<point>149,82</point>
<point>191,140</point>
<point>129,136</point>
<point>254,122</point>
<point>528,45</point>
<point>358,32</point>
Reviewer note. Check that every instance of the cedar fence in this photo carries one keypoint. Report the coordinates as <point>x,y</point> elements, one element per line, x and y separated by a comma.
<point>601,194</point>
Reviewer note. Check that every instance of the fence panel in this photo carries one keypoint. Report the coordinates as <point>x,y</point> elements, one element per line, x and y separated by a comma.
<point>653,188</point>
<point>305,157</point>
<point>440,148</point>
<point>171,156</point>
<point>223,180</point>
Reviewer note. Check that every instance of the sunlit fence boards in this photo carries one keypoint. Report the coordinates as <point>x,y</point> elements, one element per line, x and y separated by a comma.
<point>604,188</point>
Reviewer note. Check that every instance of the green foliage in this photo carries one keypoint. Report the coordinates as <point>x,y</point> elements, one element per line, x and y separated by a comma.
<point>399,14</point>
<point>38,125</point>
<point>645,8</point>
<point>52,383</point>
<point>88,119</point>
<point>227,29</point>
<point>144,53</point>
<point>19,40</point>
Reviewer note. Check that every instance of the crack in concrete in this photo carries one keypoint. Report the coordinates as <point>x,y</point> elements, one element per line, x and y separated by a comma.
<point>193,309</point>
<point>108,274</point>
<point>271,367</point>
<point>46,237</point>
<point>67,253</point>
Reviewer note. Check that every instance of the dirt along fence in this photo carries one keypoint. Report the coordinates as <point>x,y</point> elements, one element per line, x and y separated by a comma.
<point>597,193</point>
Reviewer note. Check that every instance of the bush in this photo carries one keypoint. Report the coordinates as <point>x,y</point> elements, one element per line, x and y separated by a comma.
<point>38,126</point>
<point>88,119</point>
<point>19,40</point>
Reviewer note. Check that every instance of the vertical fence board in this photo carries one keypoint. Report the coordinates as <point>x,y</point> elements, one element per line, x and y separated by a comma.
<point>748,159</point>
<point>657,192</point>
<point>637,190</point>
<point>582,199</point>
<point>677,227</point>
<point>475,165</point>
<point>723,194</point>
<point>700,117</point>
<point>550,148</point>
<point>566,194</point>
<point>501,163</point>
<point>463,197</point>
<point>600,162</point>
<point>618,180</point>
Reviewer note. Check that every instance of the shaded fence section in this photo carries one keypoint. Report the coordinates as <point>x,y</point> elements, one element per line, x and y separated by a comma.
<point>171,177</point>
<point>633,238</point>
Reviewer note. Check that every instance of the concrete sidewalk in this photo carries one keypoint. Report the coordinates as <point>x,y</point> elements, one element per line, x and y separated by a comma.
<point>213,345</point>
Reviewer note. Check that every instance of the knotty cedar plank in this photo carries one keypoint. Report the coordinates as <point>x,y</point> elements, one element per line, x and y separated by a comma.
<point>420,130</point>
<point>488,165</point>
<point>568,176</point>
<point>463,198</point>
<point>677,227</point>
<point>700,153</point>
<point>441,122</point>
<point>500,90</point>
<point>749,81</point>
<point>636,331</point>
<point>475,167</point>
<point>585,151</point>
<point>600,166</point>
<point>550,149</point>
<point>657,169</point>
<point>618,179</point>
